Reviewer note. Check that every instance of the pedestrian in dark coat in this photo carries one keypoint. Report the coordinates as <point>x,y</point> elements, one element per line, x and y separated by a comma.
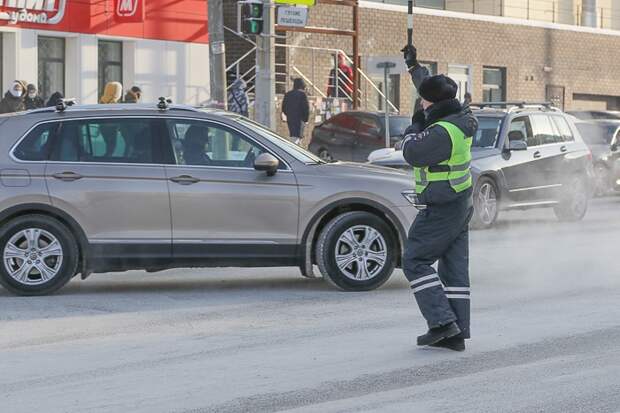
<point>32,99</point>
<point>296,108</point>
<point>133,95</point>
<point>438,146</point>
<point>54,99</point>
<point>13,100</point>
<point>238,98</point>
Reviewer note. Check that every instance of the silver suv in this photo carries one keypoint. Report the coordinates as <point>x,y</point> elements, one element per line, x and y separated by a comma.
<point>91,189</point>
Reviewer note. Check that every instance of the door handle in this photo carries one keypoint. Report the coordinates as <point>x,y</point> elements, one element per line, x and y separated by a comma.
<point>537,154</point>
<point>563,149</point>
<point>184,180</point>
<point>67,176</point>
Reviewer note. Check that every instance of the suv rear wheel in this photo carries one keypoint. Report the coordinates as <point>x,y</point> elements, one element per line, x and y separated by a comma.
<point>574,203</point>
<point>357,251</point>
<point>39,255</point>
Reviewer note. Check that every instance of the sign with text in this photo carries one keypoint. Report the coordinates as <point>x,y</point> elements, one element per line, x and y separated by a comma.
<point>129,11</point>
<point>34,11</point>
<point>293,16</point>
<point>297,2</point>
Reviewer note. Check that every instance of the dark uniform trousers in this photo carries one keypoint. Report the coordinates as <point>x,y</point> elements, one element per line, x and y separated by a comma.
<point>440,233</point>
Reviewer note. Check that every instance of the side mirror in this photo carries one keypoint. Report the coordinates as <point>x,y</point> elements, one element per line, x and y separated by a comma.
<point>267,162</point>
<point>517,146</point>
<point>614,147</point>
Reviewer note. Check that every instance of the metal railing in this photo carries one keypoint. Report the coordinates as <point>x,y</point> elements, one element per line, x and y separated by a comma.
<point>368,93</point>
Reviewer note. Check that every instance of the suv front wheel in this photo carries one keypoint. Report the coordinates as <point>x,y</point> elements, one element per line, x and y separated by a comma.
<point>39,255</point>
<point>357,251</point>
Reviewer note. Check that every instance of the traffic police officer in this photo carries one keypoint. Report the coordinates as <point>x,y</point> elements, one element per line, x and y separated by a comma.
<point>437,145</point>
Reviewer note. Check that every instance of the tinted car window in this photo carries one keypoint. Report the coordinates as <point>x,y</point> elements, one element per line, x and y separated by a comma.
<point>368,125</point>
<point>200,143</point>
<point>398,125</point>
<point>564,130</point>
<point>488,132</point>
<point>106,140</point>
<point>543,131</point>
<point>35,146</point>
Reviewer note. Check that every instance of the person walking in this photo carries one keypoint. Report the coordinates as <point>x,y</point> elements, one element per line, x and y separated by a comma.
<point>112,93</point>
<point>238,98</point>
<point>13,100</point>
<point>133,95</point>
<point>32,99</point>
<point>296,108</point>
<point>438,146</point>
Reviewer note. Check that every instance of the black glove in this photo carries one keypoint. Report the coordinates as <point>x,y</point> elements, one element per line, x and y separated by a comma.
<point>418,122</point>
<point>410,53</point>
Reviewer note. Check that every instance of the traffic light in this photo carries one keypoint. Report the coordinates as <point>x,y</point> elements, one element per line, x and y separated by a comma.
<point>253,17</point>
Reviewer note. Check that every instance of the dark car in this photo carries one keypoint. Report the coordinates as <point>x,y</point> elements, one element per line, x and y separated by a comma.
<point>525,156</point>
<point>352,136</point>
<point>602,137</point>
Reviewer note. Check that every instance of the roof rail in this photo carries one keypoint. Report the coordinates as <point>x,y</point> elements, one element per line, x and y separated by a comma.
<point>516,105</point>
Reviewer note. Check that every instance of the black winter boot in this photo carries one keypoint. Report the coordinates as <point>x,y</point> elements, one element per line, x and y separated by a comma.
<point>439,333</point>
<point>453,343</point>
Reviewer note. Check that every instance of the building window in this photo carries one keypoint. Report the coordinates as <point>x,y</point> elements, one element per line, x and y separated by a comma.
<point>433,4</point>
<point>110,63</point>
<point>494,84</point>
<point>51,66</point>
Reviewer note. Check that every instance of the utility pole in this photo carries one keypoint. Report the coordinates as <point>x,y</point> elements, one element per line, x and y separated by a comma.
<point>217,52</point>
<point>264,103</point>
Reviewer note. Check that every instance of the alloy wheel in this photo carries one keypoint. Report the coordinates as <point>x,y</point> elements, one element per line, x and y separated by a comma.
<point>32,256</point>
<point>486,202</point>
<point>361,252</point>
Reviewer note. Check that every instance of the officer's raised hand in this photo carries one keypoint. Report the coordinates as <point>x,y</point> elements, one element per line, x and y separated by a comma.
<point>410,54</point>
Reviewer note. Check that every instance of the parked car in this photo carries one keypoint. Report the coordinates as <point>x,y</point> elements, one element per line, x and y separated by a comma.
<point>524,156</point>
<point>351,136</point>
<point>594,114</point>
<point>117,187</point>
<point>602,137</point>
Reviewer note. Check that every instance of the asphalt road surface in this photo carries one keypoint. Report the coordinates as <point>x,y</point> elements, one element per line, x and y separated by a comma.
<point>546,334</point>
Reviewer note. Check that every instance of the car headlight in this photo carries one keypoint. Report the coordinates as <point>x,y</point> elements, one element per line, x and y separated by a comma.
<point>410,196</point>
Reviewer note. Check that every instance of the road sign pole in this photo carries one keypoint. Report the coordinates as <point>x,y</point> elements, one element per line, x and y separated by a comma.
<point>386,66</point>
<point>386,72</point>
<point>264,104</point>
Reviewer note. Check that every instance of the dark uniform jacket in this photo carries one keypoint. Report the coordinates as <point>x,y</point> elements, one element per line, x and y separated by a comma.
<point>33,103</point>
<point>425,145</point>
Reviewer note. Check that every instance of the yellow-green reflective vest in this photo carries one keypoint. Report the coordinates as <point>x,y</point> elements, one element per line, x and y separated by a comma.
<point>458,174</point>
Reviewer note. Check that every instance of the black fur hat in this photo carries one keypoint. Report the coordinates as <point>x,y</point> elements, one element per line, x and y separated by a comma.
<point>438,88</point>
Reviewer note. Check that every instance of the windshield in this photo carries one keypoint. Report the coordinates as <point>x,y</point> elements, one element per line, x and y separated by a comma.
<point>398,124</point>
<point>488,132</point>
<point>297,152</point>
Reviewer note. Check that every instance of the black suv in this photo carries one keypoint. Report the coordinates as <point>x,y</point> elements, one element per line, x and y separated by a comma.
<point>524,156</point>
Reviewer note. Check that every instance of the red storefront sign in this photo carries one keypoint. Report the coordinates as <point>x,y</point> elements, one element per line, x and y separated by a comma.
<point>129,11</point>
<point>180,20</point>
